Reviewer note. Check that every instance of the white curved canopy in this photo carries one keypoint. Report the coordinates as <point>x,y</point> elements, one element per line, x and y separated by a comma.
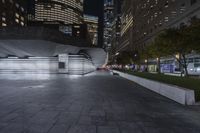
<point>41,48</point>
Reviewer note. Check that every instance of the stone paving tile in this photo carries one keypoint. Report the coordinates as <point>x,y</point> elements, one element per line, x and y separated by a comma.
<point>59,128</point>
<point>14,128</point>
<point>130,127</point>
<point>3,125</point>
<point>82,129</point>
<point>99,103</point>
<point>108,129</point>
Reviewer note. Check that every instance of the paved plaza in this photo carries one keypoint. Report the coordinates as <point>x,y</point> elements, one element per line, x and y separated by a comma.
<point>95,103</point>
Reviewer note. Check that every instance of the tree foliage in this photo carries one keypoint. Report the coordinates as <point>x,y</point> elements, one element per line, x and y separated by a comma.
<point>173,41</point>
<point>124,58</point>
<point>193,33</point>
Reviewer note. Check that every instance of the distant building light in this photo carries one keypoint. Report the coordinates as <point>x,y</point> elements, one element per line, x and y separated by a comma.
<point>3,24</point>
<point>76,26</point>
<point>17,20</point>
<point>22,23</point>
<point>117,53</point>
<point>16,15</point>
<point>22,18</point>
<point>3,19</point>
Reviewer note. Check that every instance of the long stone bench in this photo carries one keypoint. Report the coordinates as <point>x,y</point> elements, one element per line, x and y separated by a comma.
<point>178,94</point>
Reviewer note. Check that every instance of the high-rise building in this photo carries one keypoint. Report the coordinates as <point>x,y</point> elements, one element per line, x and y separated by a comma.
<point>92,26</point>
<point>60,11</point>
<point>12,13</point>
<point>108,18</point>
<point>63,15</point>
<point>116,28</point>
<point>127,25</point>
<point>151,17</point>
<point>143,20</point>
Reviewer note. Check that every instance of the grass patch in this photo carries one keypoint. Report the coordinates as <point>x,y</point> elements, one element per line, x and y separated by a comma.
<point>189,83</point>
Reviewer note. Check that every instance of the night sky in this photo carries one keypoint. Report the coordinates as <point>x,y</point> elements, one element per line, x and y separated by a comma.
<point>95,7</point>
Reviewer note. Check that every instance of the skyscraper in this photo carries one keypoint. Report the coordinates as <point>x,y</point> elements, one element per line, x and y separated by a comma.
<point>108,18</point>
<point>116,28</point>
<point>144,20</point>
<point>92,26</point>
<point>60,11</point>
<point>151,17</point>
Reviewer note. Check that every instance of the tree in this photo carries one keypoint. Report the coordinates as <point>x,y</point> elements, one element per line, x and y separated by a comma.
<point>175,41</point>
<point>157,49</point>
<point>124,58</point>
<point>145,55</point>
<point>181,41</point>
<point>193,31</point>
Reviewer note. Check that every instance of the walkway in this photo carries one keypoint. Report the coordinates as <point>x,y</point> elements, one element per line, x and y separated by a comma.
<point>96,103</point>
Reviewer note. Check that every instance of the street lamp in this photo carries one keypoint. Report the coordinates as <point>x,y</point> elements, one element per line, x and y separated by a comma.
<point>177,56</point>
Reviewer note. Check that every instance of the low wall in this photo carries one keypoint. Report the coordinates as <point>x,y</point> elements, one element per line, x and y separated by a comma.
<point>178,94</point>
<point>31,65</point>
<point>73,64</point>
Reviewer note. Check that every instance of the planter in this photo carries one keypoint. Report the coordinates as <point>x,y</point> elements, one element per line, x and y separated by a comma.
<point>181,95</point>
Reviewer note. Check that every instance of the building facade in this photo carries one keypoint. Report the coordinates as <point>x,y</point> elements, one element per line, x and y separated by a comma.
<point>116,28</point>
<point>61,11</point>
<point>12,13</point>
<point>63,15</point>
<point>155,16</point>
<point>126,26</point>
<point>108,18</point>
<point>143,20</point>
<point>92,27</point>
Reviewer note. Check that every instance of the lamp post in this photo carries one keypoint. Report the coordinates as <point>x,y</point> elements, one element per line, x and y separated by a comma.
<point>158,64</point>
<point>178,58</point>
<point>146,61</point>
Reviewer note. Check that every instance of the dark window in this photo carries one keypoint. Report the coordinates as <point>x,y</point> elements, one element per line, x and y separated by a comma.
<point>197,65</point>
<point>61,65</point>
<point>197,60</point>
<point>190,60</point>
<point>47,6</point>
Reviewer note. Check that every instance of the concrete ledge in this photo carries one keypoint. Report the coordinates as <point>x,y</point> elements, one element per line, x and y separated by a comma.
<point>178,94</point>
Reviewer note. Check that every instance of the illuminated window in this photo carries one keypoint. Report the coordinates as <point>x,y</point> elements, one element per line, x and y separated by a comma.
<point>155,14</point>
<point>16,15</point>
<point>3,19</point>
<point>3,24</point>
<point>160,24</point>
<point>22,18</point>
<point>182,9</point>
<point>167,4</point>
<point>17,20</point>
<point>22,23</point>
<point>17,5</point>
<point>22,9</point>
<point>166,19</point>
